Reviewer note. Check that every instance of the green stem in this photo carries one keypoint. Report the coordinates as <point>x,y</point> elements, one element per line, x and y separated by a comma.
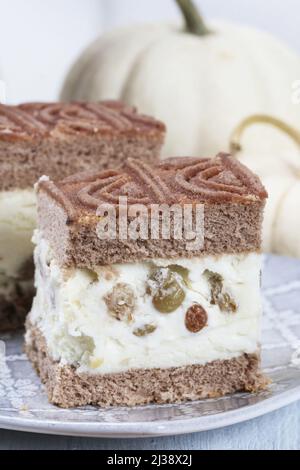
<point>193,20</point>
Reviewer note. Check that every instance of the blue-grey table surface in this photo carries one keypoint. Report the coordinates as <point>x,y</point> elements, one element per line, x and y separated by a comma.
<point>279,430</point>
<point>273,431</point>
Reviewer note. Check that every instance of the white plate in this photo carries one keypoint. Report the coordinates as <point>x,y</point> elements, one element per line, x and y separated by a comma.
<point>24,406</point>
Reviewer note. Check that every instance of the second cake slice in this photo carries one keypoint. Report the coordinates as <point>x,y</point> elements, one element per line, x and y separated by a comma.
<point>57,139</point>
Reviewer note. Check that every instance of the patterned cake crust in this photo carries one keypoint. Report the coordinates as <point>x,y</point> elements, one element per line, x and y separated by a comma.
<point>60,139</point>
<point>233,199</point>
<point>36,120</point>
<point>177,180</point>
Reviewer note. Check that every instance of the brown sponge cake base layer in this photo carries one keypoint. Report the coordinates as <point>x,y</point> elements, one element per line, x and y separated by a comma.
<point>16,295</point>
<point>66,388</point>
<point>13,310</point>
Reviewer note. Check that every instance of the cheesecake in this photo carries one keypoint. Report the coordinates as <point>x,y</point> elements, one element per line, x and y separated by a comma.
<point>57,139</point>
<point>137,316</point>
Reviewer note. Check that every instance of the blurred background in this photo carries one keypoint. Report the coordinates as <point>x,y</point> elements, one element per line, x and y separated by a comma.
<point>39,40</point>
<point>203,86</point>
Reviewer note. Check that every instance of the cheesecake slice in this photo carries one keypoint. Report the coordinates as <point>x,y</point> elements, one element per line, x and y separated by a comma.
<point>138,319</point>
<point>57,139</point>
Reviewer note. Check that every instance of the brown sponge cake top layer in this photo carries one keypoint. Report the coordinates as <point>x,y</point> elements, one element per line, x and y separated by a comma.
<point>232,196</point>
<point>36,120</point>
<point>60,139</point>
<point>176,180</point>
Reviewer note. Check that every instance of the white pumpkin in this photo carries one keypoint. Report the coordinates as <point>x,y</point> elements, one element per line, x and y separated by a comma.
<point>280,173</point>
<point>201,84</point>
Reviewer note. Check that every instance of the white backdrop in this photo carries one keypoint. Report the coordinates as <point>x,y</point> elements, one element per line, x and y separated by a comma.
<point>39,39</point>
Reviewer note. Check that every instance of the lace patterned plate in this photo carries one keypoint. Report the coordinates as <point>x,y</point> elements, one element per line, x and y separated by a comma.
<point>24,406</point>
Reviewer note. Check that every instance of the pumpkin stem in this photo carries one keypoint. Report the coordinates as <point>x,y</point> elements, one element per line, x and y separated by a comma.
<point>193,20</point>
<point>235,140</point>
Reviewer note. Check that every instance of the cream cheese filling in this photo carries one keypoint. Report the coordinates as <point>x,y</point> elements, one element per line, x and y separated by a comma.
<point>72,310</point>
<point>17,223</point>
